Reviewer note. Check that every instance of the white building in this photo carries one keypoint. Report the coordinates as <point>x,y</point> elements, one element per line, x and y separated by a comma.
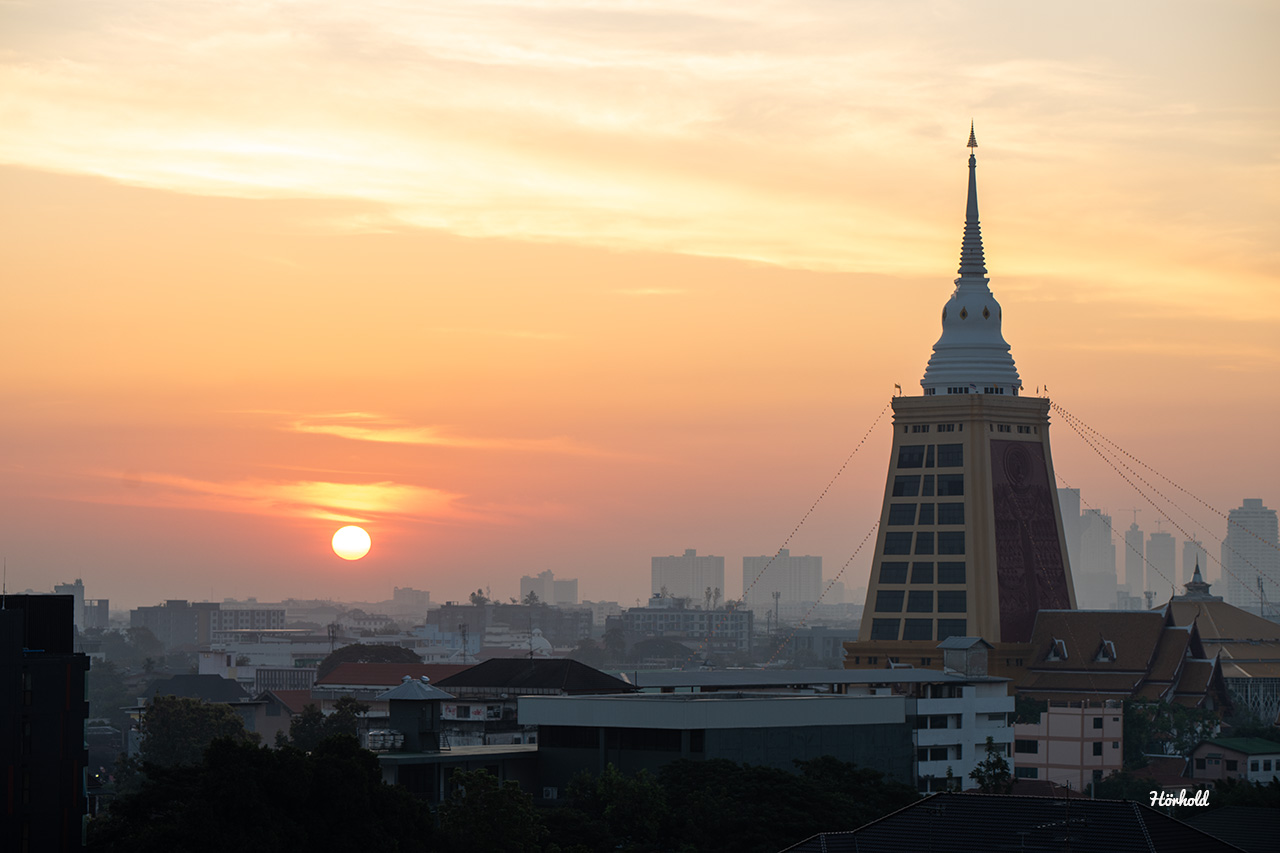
<point>688,576</point>
<point>797,581</point>
<point>549,589</point>
<point>1249,556</point>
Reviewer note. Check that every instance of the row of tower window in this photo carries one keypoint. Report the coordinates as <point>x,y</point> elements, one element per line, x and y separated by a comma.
<point>924,455</point>
<point>924,485</point>
<point>905,514</point>
<point>920,601</point>
<point>947,541</point>
<point>969,389</point>
<point>918,428</point>
<point>896,572</point>
<point>918,629</point>
<point>1022,430</point>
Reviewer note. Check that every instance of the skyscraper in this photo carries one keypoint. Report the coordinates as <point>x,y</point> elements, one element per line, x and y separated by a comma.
<point>1096,573</point>
<point>970,540</point>
<point>1135,577</point>
<point>1249,556</point>
<point>1162,567</point>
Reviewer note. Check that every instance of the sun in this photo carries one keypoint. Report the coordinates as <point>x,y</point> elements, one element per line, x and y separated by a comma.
<point>351,543</point>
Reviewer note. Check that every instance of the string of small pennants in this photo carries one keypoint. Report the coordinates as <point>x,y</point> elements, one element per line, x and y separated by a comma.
<point>1081,428</point>
<point>719,623</point>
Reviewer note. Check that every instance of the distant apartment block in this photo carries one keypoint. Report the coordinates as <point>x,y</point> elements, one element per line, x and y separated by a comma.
<point>1250,561</point>
<point>688,576</point>
<point>717,630</point>
<point>178,622</point>
<point>408,600</point>
<point>1095,568</point>
<point>796,579</point>
<point>549,589</point>
<point>1162,567</point>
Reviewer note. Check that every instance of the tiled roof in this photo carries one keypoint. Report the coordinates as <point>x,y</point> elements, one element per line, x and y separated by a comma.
<point>1250,828</point>
<point>1247,745</point>
<point>515,674</point>
<point>1134,635</point>
<point>1170,651</point>
<point>1218,620</point>
<point>1102,682</point>
<point>981,823</point>
<point>414,690</point>
<point>294,700</point>
<point>387,674</point>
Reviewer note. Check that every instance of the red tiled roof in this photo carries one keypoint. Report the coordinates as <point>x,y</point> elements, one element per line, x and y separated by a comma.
<point>294,700</point>
<point>387,674</point>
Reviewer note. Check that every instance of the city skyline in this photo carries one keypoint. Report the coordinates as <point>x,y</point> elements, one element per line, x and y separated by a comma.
<point>523,288</point>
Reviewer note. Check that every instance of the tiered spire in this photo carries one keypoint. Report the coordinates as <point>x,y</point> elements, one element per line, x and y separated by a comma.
<point>971,357</point>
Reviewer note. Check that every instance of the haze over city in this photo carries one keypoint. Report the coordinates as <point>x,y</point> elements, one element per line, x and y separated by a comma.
<point>520,286</point>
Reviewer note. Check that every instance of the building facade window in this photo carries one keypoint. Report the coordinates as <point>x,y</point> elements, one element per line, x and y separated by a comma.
<point>951,601</point>
<point>893,573</point>
<point>926,513</point>
<point>911,456</point>
<point>918,629</point>
<point>951,628</point>
<point>903,514</point>
<point>924,542</point>
<point>951,542</point>
<point>906,485</point>
<point>950,572</point>
<point>897,543</point>
<point>922,573</point>
<point>889,601</point>
<point>951,513</point>
<point>950,485</point>
<point>950,455</point>
<point>920,601</point>
<point>883,629</point>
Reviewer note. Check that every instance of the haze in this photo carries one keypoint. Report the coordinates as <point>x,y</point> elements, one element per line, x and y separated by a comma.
<point>527,285</point>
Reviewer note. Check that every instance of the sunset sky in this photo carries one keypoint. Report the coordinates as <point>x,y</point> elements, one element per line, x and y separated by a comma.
<point>530,285</point>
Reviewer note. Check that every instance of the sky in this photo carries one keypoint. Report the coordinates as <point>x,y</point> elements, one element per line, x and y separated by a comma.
<point>523,285</point>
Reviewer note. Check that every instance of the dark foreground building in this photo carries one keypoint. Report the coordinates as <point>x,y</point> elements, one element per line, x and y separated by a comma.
<point>989,823</point>
<point>42,725</point>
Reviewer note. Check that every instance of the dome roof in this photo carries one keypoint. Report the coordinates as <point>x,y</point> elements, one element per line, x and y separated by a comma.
<point>971,356</point>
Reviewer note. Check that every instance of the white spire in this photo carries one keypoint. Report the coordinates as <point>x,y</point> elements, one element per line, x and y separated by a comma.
<point>971,357</point>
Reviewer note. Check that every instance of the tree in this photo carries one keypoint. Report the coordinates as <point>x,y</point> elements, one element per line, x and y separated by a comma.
<point>478,598</point>
<point>312,726</point>
<point>358,653</point>
<point>615,643</point>
<point>177,730</point>
<point>992,773</point>
<point>1152,727</point>
<point>107,693</point>
<point>633,808</point>
<point>589,652</point>
<point>532,598</point>
<point>242,797</point>
<point>483,814</point>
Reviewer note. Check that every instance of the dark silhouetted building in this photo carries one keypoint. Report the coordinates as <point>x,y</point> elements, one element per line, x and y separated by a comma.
<point>42,724</point>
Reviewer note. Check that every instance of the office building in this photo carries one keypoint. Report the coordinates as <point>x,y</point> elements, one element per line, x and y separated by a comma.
<point>796,580</point>
<point>688,576</point>
<point>1250,559</point>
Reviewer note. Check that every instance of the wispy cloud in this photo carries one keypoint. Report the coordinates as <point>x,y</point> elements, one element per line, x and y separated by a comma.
<point>335,501</point>
<point>363,426</point>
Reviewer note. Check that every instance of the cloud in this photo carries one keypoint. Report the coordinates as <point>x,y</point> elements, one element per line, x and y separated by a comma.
<point>335,501</point>
<point>363,426</point>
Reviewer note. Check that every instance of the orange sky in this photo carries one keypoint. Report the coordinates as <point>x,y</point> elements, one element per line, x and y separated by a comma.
<point>532,285</point>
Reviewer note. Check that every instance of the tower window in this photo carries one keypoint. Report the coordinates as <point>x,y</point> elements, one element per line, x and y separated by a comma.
<point>950,455</point>
<point>926,514</point>
<point>918,629</point>
<point>893,573</point>
<point>897,543</point>
<point>883,629</point>
<point>922,572</point>
<point>920,601</point>
<point>951,542</point>
<point>1003,428</point>
<point>906,485</point>
<point>951,513</point>
<point>946,427</point>
<point>950,628</point>
<point>919,427</point>
<point>911,456</point>
<point>926,486</point>
<point>928,457</point>
<point>951,601</point>
<point>950,485</point>
<point>904,514</point>
<point>950,572</point>
<point>924,542</point>
<point>889,601</point>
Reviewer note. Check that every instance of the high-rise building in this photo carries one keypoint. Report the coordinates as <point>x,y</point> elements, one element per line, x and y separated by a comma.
<point>1096,576</point>
<point>43,710</point>
<point>971,539</point>
<point>1069,502</point>
<point>1193,554</point>
<point>1162,566</point>
<point>1135,578</point>
<point>76,591</point>
<point>688,576</point>
<point>796,579</point>
<point>1250,559</point>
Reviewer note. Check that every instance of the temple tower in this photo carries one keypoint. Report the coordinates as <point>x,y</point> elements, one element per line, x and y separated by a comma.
<point>971,540</point>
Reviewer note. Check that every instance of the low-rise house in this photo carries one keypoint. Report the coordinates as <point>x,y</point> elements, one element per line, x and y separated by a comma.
<point>1249,758</point>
